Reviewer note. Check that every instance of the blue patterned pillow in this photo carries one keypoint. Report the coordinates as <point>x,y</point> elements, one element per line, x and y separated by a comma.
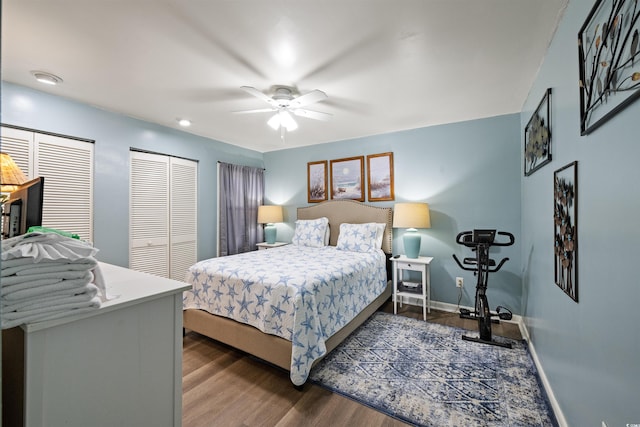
<point>358,237</point>
<point>310,232</point>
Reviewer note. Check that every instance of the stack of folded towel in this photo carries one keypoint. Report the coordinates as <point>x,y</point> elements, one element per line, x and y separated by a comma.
<point>45,276</point>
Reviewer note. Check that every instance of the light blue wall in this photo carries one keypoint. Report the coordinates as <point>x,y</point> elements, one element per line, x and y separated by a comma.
<point>589,350</point>
<point>468,172</point>
<point>114,135</point>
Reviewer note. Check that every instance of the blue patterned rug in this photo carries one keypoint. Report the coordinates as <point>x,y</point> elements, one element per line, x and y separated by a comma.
<point>425,374</point>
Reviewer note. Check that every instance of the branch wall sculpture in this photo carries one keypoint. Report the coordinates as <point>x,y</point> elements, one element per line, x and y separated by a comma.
<point>609,56</point>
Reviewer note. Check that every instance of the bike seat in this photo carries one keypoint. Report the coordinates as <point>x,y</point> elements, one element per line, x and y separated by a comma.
<point>472,261</point>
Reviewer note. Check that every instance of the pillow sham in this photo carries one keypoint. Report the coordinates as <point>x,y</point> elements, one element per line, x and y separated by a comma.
<point>310,232</point>
<point>358,237</point>
<point>380,226</point>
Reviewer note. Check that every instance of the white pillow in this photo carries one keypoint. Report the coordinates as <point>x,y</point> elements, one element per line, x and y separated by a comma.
<point>327,235</point>
<point>380,236</point>
<point>357,237</point>
<point>310,232</point>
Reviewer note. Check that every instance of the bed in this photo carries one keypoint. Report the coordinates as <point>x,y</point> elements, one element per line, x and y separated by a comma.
<point>294,315</point>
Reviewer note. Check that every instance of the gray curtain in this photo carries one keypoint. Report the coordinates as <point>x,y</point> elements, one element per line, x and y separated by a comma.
<point>241,192</point>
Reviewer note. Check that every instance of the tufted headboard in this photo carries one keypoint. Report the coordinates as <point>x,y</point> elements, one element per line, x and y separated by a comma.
<point>352,212</point>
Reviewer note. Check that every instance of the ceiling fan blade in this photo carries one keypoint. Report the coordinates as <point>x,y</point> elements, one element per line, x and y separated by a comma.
<point>255,92</point>
<point>310,114</point>
<point>308,98</point>
<point>260,110</point>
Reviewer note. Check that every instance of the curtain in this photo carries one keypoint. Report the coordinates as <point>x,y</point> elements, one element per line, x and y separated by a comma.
<point>241,191</point>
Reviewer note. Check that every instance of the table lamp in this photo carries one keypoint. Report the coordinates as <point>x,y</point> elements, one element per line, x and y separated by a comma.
<point>411,216</point>
<point>12,175</point>
<point>269,215</point>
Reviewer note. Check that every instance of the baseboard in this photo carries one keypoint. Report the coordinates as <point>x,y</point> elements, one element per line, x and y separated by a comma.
<point>453,308</point>
<point>524,331</point>
<point>562,422</point>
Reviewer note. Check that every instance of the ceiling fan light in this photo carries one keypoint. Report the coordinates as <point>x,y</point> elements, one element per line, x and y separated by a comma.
<point>287,121</point>
<point>274,121</point>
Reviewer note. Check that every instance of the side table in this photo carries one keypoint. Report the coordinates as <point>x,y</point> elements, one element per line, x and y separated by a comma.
<point>420,290</point>
<point>265,245</point>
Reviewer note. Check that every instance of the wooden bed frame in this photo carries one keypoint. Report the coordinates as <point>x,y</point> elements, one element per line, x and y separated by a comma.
<point>274,349</point>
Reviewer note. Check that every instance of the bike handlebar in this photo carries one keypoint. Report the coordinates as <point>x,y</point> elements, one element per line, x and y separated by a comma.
<point>465,238</point>
<point>490,270</point>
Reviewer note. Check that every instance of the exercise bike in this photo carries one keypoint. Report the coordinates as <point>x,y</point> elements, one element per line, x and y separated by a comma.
<point>480,240</point>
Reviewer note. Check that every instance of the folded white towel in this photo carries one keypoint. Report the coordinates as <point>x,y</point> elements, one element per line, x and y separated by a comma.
<point>69,295</point>
<point>27,279</point>
<point>66,305</point>
<point>15,262</point>
<point>23,291</point>
<point>10,323</point>
<point>98,280</point>
<point>45,267</point>
<point>41,246</point>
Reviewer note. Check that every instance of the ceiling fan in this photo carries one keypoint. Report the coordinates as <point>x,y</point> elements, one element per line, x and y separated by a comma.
<point>285,102</point>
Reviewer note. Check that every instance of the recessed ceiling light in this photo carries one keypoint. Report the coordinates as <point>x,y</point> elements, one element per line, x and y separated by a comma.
<point>184,122</point>
<point>46,78</point>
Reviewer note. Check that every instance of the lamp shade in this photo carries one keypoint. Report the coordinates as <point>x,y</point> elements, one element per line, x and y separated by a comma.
<point>12,175</point>
<point>411,215</point>
<point>269,214</point>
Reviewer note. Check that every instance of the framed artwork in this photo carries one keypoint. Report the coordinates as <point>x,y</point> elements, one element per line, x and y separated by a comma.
<point>537,137</point>
<point>317,181</point>
<point>565,223</point>
<point>347,178</point>
<point>608,55</point>
<point>380,177</point>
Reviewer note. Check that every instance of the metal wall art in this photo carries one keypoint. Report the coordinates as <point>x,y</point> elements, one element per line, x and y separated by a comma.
<point>317,181</point>
<point>380,177</point>
<point>537,137</point>
<point>565,218</point>
<point>609,60</point>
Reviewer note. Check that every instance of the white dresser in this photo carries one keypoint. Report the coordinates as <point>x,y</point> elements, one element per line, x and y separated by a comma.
<point>120,365</point>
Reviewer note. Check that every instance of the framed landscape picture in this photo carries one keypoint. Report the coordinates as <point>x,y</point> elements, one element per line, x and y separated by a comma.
<point>347,178</point>
<point>380,177</point>
<point>317,181</point>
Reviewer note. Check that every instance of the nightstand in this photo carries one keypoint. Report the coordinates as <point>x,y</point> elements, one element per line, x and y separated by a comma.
<point>265,245</point>
<point>420,290</point>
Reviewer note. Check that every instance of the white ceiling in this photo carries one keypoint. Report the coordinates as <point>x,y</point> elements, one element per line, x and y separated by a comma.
<point>386,65</point>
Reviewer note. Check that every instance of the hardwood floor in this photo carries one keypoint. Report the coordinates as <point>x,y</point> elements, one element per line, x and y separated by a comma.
<point>225,387</point>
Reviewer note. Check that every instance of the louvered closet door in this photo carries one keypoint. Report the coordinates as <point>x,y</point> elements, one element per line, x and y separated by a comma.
<point>19,144</point>
<point>184,216</point>
<point>149,214</point>
<point>67,168</point>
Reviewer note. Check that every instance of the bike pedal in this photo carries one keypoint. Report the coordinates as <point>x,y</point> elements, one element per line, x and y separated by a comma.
<point>504,315</point>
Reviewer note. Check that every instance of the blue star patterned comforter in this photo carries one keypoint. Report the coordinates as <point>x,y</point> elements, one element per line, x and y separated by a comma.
<point>299,293</point>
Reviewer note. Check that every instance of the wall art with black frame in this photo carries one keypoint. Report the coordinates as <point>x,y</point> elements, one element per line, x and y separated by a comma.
<point>565,219</point>
<point>609,61</point>
<point>537,136</point>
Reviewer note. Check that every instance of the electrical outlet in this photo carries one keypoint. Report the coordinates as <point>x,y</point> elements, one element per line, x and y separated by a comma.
<point>459,282</point>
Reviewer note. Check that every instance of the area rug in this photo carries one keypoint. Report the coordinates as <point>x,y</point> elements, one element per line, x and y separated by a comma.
<point>425,374</point>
